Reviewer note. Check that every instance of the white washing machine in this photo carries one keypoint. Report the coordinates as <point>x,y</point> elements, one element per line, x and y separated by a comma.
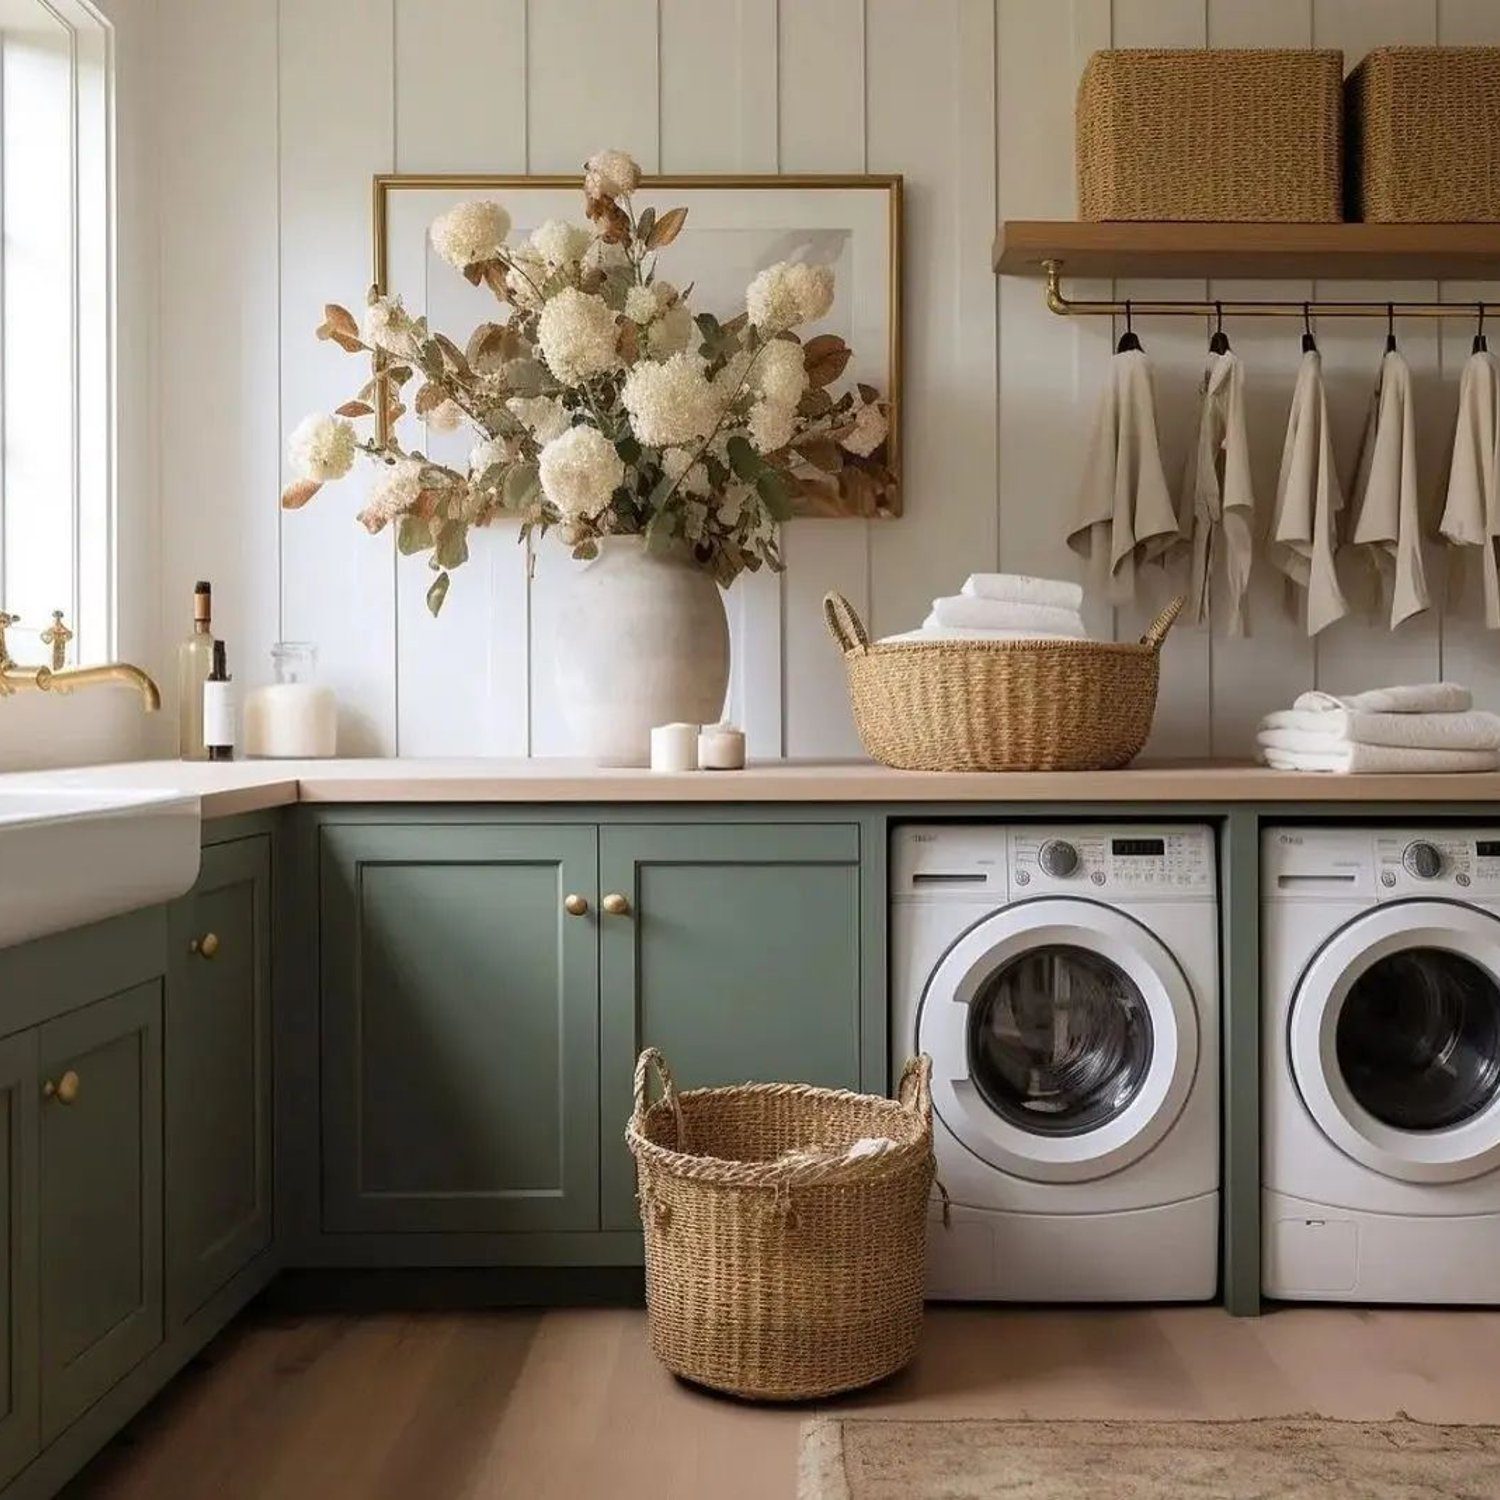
<point>1065,981</point>
<point>1381,1065</point>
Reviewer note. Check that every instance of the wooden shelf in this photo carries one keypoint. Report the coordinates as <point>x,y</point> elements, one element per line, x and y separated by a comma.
<point>1346,252</point>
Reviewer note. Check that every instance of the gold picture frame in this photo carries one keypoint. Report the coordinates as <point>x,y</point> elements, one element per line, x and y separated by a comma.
<point>888,187</point>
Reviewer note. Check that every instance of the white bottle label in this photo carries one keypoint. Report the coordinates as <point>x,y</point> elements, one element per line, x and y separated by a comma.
<point>218,714</point>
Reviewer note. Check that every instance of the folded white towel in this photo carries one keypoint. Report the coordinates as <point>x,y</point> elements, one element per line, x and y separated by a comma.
<point>970,633</point>
<point>997,614</point>
<point>1373,759</point>
<point>1414,698</point>
<point>1021,588</point>
<point>1324,729</point>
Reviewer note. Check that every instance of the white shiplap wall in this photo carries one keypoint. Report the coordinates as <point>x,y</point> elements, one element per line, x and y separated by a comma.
<point>273,117</point>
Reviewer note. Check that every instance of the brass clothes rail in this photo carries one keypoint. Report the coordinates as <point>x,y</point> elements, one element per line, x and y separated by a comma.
<point>1230,307</point>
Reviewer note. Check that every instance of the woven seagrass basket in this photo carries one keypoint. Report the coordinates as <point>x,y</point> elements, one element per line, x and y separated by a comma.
<point>1000,705</point>
<point>1424,135</point>
<point>1210,134</point>
<point>777,1267</point>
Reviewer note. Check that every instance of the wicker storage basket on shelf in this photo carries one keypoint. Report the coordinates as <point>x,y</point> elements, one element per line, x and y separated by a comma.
<point>777,1267</point>
<point>1000,705</point>
<point>1210,134</point>
<point>1424,135</point>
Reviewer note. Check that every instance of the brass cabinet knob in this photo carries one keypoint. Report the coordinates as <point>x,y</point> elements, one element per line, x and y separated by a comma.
<point>616,904</point>
<point>575,906</point>
<point>65,1090</point>
<point>206,946</point>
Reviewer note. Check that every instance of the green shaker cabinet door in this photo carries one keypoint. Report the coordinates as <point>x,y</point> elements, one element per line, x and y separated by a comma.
<point>19,1410</point>
<point>460,1027</point>
<point>218,1074</point>
<point>101,1203</point>
<point>739,957</point>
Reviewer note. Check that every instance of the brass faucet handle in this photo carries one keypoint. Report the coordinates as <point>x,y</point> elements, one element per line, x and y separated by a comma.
<point>57,635</point>
<point>6,621</point>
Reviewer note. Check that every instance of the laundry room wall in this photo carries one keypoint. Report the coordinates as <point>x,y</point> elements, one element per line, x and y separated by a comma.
<point>273,116</point>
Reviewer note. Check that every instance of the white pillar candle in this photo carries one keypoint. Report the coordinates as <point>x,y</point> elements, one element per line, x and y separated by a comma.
<point>721,747</point>
<point>674,747</point>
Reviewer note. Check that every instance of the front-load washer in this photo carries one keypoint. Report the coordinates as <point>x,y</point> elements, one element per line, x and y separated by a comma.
<point>1064,981</point>
<point>1381,1064</point>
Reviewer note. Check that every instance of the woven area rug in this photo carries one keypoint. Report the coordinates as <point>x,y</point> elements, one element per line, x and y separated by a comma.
<point>867,1458</point>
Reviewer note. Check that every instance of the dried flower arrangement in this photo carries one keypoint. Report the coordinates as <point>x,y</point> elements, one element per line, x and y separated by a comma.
<point>603,405</point>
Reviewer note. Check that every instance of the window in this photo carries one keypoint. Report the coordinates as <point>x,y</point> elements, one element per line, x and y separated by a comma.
<point>56,321</point>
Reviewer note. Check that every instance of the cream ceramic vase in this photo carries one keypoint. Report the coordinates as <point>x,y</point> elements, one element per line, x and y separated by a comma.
<point>641,639</point>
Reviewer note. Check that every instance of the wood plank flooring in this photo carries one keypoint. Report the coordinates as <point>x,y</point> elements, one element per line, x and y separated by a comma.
<point>569,1404</point>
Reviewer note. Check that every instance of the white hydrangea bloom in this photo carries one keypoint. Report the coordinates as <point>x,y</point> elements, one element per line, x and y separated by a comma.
<point>789,294</point>
<point>812,286</point>
<point>576,334</point>
<point>781,372</point>
<point>671,333</point>
<point>544,417</point>
<point>680,466</point>
<point>640,304</point>
<point>771,426</point>
<point>322,448</point>
<point>610,174</point>
<point>470,233</point>
<point>387,325</point>
<point>446,416</point>
<point>671,402</point>
<point>558,243</point>
<point>870,427</point>
<point>397,489</point>
<point>580,471</point>
<point>484,456</point>
<point>730,379</point>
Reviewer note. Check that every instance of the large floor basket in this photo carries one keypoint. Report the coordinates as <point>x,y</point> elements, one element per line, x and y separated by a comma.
<point>778,1267</point>
<point>957,705</point>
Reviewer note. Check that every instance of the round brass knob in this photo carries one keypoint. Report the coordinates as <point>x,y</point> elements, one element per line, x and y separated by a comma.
<point>206,946</point>
<point>616,904</point>
<point>65,1090</point>
<point>575,906</point>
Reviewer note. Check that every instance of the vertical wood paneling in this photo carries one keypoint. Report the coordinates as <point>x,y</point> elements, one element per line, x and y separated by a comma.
<point>337,100</point>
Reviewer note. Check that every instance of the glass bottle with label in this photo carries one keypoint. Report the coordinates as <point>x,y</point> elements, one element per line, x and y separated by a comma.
<point>195,658</point>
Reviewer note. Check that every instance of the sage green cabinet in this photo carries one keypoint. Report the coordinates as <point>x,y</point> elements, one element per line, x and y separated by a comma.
<point>20,1433</point>
<point>738,956</point>
<point>459,1028</point>
<point>100,1214</point>
<point>218,1074</point>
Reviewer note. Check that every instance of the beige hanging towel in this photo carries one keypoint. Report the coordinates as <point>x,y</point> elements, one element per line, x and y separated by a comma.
<point>1125,513</point>
<point>1471,504</point>
<point>1216,506</point>
<point>1304,526</point>
<point>1385,519</point>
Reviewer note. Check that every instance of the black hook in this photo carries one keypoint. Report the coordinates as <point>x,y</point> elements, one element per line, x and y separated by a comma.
<point>1219,343</point>
<point>1309,343</point>
<point>1128,340</point>
<point>1390,328</point>
<point>1481,344</point>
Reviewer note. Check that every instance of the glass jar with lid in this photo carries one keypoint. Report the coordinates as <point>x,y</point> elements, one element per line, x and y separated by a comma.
<point>292,717</point>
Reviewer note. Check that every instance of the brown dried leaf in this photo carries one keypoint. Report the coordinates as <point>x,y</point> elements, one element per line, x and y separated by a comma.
<point>338,325</point>
<point>816,497</point>
<point>867,393</point>
<point>734,324</point>
<point>628,342</point>
<point>819,452</point>
<point>815,402</point>
<point>666,229</point>
<point>354,409</point>
<point>452,353</point>
<point>826,357</point>
<point>295,496</point>
<point>492,344</point>
<point>428,397</point>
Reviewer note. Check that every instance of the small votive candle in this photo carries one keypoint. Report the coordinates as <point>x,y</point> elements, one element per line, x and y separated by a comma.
<point>721,747</point>
<point>674,747</point>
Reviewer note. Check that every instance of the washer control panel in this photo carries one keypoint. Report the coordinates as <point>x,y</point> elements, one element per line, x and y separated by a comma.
<point>1424,862</point>
<point>1137,861</point>
<point>1389,864</point>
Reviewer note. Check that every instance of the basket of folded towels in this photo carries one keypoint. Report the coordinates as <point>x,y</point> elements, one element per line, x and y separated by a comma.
<point>1001,677</point>
<point>1431,726</point>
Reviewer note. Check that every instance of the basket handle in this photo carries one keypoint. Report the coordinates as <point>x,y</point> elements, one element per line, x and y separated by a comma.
<point>648,1061</point>
<point>1156,631</point>
<point>915,1089</point>
<point>844,625</point>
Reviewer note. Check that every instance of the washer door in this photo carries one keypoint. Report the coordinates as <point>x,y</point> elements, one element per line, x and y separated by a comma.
<point>1395,1041</point>
<point>1063,1038</point>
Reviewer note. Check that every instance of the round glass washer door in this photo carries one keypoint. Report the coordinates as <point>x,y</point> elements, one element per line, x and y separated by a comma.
<point>1394,1038</point>
<point>1063,1038</point>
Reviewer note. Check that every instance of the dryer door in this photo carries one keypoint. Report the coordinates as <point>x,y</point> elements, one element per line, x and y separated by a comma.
<point>1395,1040</point>
<point>1063,1037</point>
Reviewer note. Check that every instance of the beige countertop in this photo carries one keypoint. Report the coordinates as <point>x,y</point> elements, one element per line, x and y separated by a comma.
<point>249,786</point>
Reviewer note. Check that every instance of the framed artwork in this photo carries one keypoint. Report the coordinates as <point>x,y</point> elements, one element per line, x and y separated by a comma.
<point>736,226</point>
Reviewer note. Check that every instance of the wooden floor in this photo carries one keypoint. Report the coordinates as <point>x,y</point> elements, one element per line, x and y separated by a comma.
<point>569,1404</point>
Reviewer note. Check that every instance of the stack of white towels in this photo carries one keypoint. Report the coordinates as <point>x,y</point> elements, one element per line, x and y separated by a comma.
<point>1004,607</point>
<point>1430,726</point>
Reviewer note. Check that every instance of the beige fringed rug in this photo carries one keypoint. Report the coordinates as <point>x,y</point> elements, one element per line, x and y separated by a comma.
<point>1292,1458</point>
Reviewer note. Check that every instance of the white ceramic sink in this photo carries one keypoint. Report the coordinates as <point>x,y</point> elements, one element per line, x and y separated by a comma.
<point>76,854</point>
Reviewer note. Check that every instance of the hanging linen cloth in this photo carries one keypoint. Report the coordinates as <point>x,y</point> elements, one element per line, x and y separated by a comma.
<point>1304,525</point>
<point>1471,505</point>
<point>1385,518</point>
<point>1216,506</point>
<point>1125,513</point>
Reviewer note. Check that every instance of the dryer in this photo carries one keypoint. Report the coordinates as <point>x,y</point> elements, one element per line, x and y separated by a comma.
<point>1064,980</point>
<point>1381,1064</point>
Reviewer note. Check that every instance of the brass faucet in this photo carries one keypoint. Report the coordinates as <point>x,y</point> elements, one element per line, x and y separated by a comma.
<point>56,678</point>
